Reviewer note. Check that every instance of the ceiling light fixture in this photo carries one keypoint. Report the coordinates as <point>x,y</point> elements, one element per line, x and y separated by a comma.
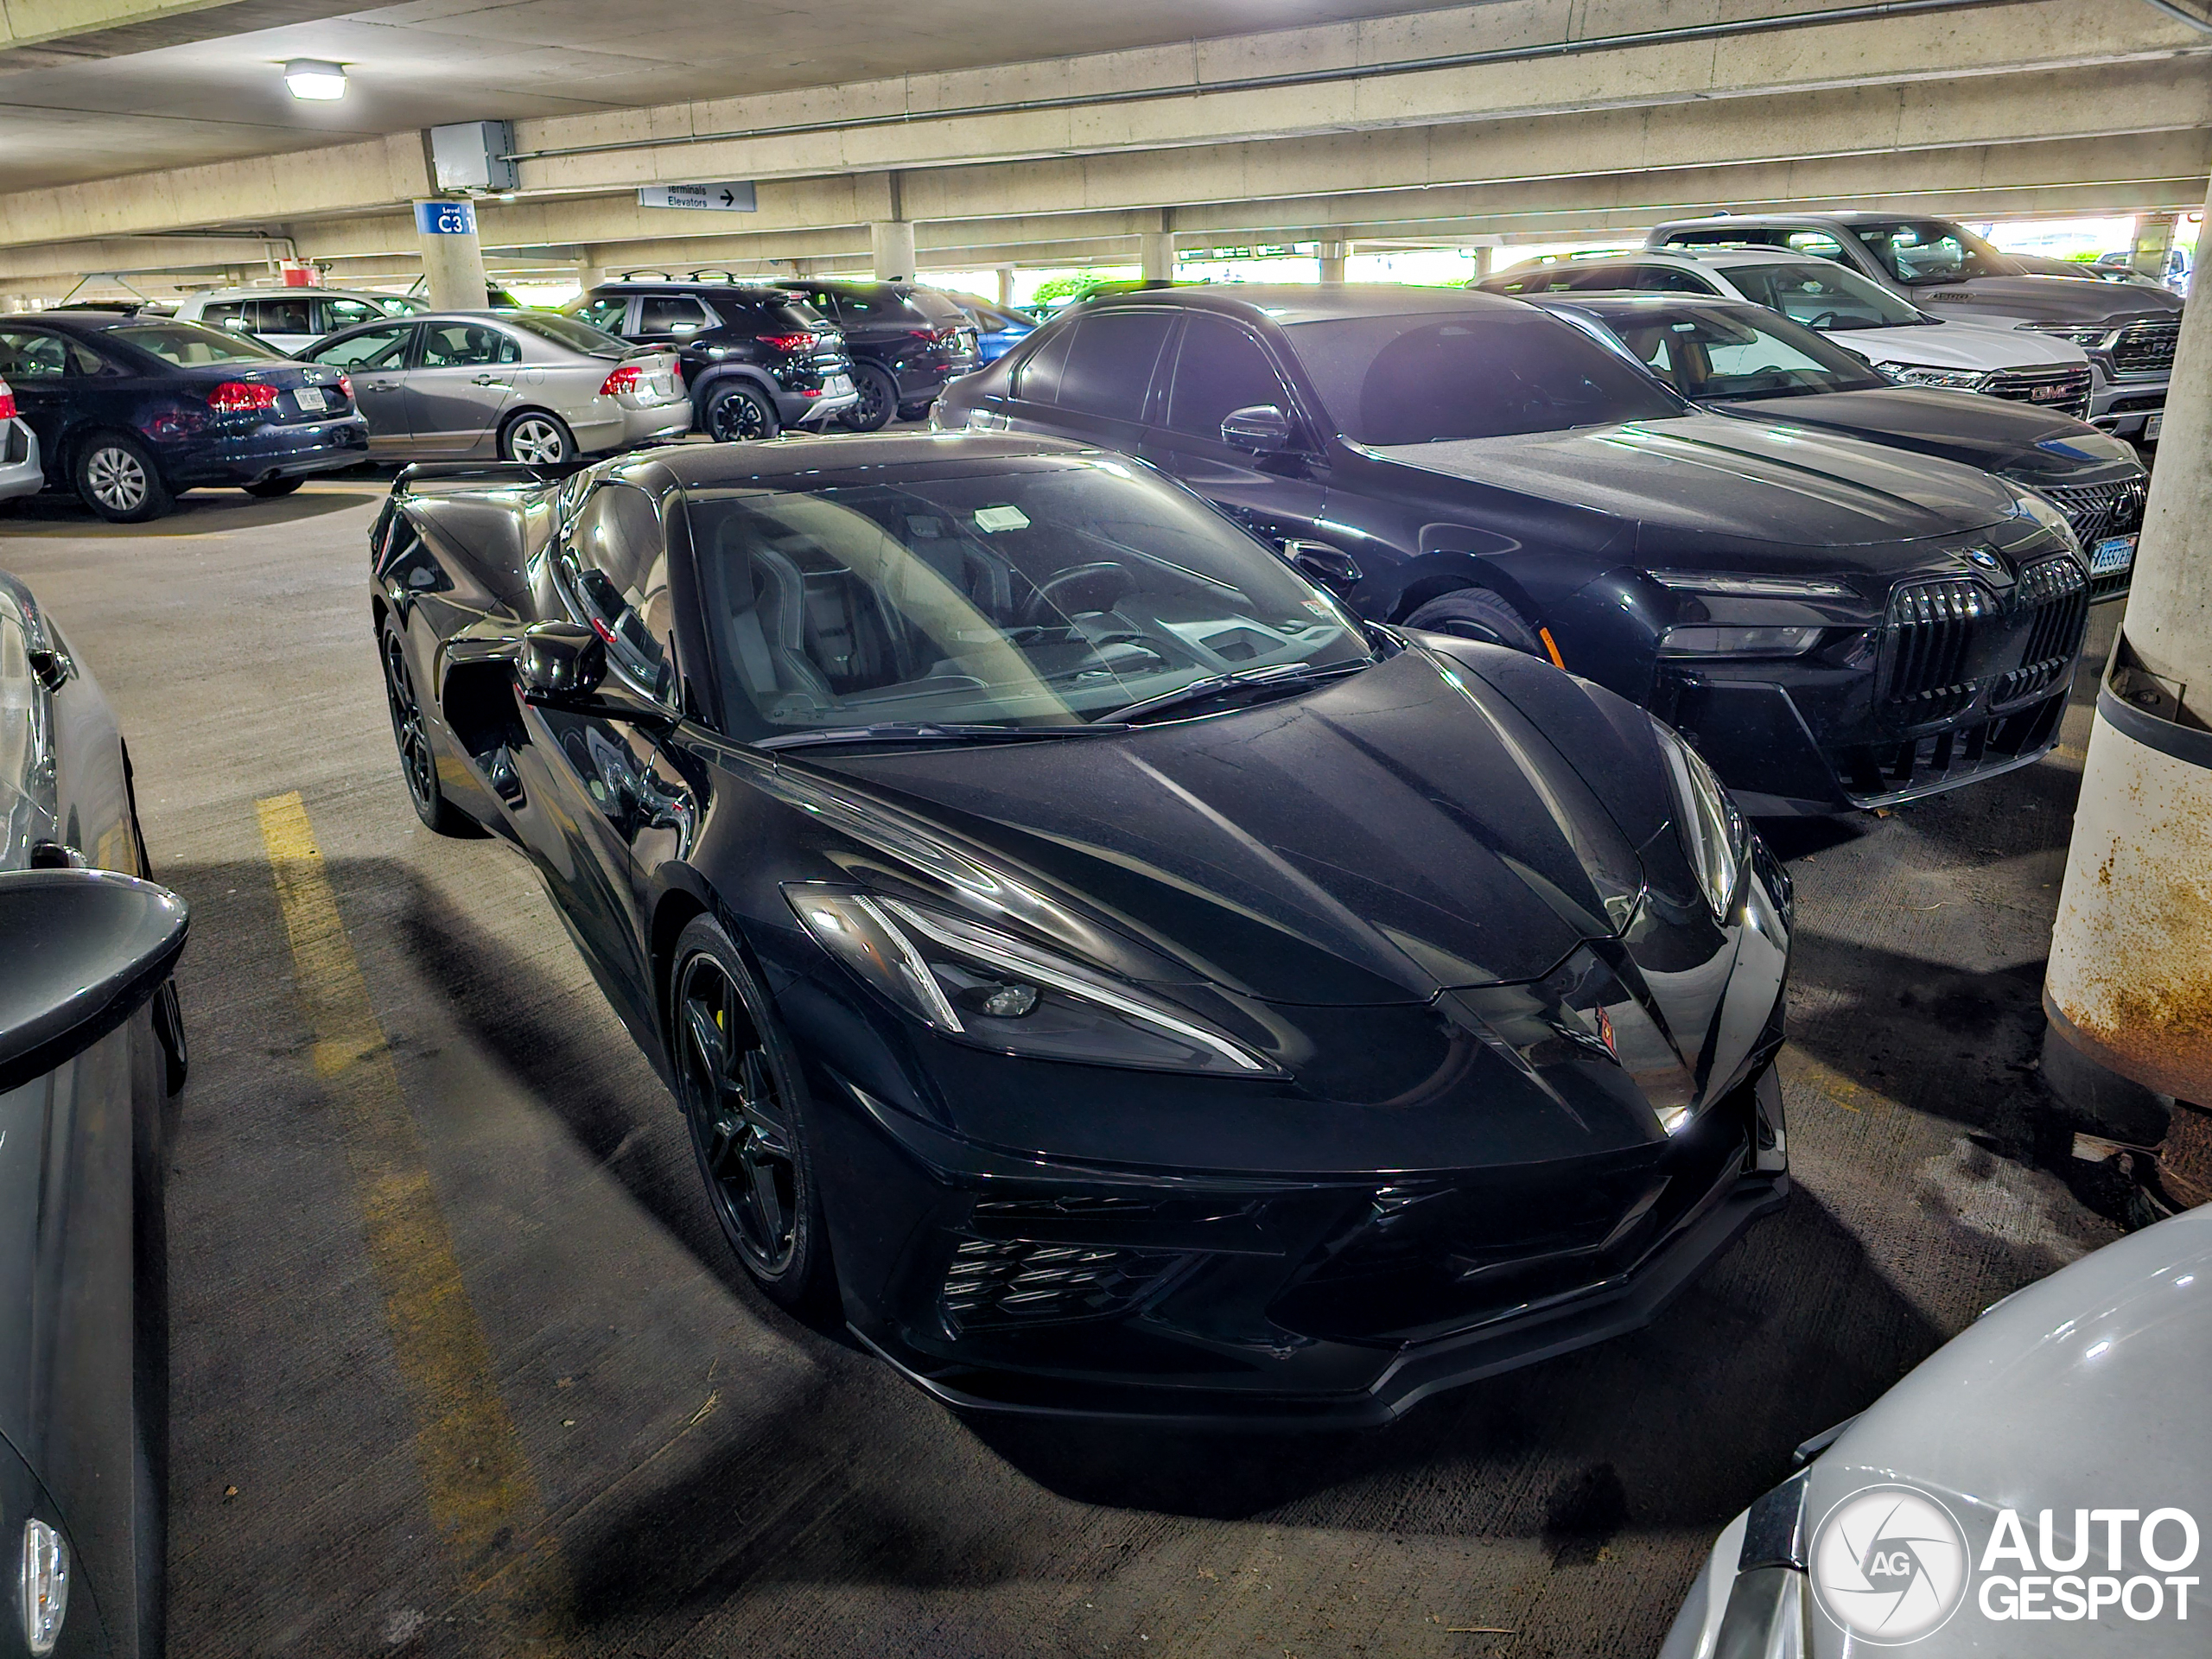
<point>315,80</point>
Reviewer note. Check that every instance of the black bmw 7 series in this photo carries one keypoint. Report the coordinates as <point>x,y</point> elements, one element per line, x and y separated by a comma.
<point>1834,625</point>
<point>1091,960</point>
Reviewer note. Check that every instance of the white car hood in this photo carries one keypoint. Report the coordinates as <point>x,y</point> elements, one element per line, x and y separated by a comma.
<point>1958,346</point>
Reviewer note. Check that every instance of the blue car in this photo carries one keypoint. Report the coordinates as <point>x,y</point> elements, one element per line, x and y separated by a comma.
<point>999,329</point>
<point>131,410</point>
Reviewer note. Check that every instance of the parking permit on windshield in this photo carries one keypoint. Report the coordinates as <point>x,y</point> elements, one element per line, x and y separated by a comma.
<point>1001,518</point>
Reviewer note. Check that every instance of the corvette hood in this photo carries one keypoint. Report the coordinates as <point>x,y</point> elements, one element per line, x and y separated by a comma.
<point>1699,478</point>
<point>1959,345</point>
<point>1962,426</point>
<point>1370,841</point>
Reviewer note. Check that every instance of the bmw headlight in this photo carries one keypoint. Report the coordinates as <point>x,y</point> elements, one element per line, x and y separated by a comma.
<point>1714,836</point>
<point>2028,504</point>
<point>1918,374</point>
<point>1749,584</point>
<point>980,986</point>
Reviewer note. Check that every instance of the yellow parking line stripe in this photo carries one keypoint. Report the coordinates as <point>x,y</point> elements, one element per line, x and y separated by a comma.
<point>482,1499</point>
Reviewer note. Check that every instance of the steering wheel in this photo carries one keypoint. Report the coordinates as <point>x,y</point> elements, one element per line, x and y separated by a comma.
<point>1040,597</point>
<point>1827,319</point>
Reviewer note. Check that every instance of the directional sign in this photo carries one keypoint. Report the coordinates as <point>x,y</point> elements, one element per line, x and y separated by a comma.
<point>735,196</point>
<point>445,218</point>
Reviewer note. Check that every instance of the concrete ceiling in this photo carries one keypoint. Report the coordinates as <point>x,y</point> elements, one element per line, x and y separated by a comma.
<point>207,86</point>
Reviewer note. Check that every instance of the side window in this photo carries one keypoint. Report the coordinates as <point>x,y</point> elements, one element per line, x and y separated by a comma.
<point>617,559</point>
<point>1668,279</point>
<point>279,317</point>
<point>1737,233</point>
<point>832,305</point>
<point>466,346</point>
<point>671,314</point>
<point>1037,377</point>
<point>344,314</point>
<point>608,311</point>
<point>1110,362</point>
<point>1219,368</point>
<point>27,356</point>
<point>1819,244</point>
<point>372,348</point>
<point>224,313</point>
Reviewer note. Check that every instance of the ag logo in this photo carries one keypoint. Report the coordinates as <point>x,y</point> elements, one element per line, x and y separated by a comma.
<point>1889,1564</point>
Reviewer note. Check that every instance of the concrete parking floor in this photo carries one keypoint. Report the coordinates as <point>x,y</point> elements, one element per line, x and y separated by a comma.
<point>683,1470</point>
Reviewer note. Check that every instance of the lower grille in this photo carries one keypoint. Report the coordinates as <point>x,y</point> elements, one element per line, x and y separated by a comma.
<point>2066,391</point>
<point>994,1283</point>
<point>2145,347</point>
<point>1880,774</point>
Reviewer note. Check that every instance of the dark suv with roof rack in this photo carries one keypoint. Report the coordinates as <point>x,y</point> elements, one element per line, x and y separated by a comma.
<point>906,342</point>
<point>757,357</point>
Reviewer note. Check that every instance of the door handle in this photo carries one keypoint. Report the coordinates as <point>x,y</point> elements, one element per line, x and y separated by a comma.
<point>487,380</point>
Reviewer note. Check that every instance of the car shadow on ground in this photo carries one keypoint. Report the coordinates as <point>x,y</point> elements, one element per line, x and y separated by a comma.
<point>199,512</point>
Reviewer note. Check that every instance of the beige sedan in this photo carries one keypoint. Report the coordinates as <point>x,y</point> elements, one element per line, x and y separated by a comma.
<point>517,385</point>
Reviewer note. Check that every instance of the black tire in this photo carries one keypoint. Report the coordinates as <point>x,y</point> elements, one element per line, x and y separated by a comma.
<point>269,489</point>
<point>1478,613</point>
<point>537,436</point>
<point>410,734</point>
<point>879,400</point>
<point>739,413</point>
<point>916,411</point>
<point>747,1111</point>
<point>116,477</point>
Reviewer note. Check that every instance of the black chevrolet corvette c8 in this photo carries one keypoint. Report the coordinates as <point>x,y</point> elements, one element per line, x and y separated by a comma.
<point>1092,961</point>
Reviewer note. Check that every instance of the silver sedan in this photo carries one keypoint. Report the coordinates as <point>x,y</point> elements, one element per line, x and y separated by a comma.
<point>520,385</point>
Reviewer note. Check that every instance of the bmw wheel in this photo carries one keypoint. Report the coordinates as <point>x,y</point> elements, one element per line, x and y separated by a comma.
<point>418,761</point>
<point>879,400</point>
<point>740,414</point>
<point>117,479</point>
<point>1478,613</point>
<point>536,437</point>
<point>744,1104</point>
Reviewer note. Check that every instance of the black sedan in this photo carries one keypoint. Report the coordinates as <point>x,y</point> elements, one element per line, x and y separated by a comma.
<point>1833,624</point>
<point>1089,957</point>
<point>90,1043</point>
<point>130,411</point>
<point>1739,359</point>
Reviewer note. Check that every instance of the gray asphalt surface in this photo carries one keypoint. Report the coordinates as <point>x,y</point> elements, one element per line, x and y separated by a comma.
<point>706,1476</point>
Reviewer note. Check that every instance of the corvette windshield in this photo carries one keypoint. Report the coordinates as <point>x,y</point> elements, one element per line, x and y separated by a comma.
<point>1049,596</point>
<point>1708,352</point>
<point>1428,378</point>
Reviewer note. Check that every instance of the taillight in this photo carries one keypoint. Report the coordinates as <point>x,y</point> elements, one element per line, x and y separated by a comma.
<point>345,386</point>
<point>241,397</point>
<point>7,401</point>
<point>625,378</point>
<point>786,342</point>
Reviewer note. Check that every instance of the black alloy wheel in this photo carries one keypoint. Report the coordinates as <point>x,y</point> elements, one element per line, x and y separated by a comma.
<point>740,414</point>
<point>269,489</point>
<point>745,1106</point>
<point>419,762</point>
<point>1478,613</point>
<point>879,400</point>
<point>118,479</point>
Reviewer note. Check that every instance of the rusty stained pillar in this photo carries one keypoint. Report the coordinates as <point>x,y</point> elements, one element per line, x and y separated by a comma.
<point>2129,985</point>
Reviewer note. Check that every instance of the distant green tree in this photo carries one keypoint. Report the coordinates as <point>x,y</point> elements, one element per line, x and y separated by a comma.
<point>1061,287</point>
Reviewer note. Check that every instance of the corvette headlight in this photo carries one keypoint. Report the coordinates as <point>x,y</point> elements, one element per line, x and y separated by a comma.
<point>1915,374</point>
<point>2028,504</point>
<point>1714,836</point>
<point>986,988</point>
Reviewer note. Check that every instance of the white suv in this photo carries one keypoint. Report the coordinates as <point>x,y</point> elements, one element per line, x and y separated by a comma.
<point>289,320</point>
<point>1863,317</point>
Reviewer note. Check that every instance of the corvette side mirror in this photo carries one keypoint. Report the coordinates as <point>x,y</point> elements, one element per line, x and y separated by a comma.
<point>1260,428</point>
<point>1332,567</point>
<point>87,949</point>
<point>560,662</point>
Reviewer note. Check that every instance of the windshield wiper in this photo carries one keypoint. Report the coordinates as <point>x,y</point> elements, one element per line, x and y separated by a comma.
<point>903,731</point>
<point>1215,684</point>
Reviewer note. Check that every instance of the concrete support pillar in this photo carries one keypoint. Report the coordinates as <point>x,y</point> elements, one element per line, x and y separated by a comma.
<point>2154,240</point>
<point>1156,256</point>
<point>1005,284</point>
<point>891,249</point>
<point>2130,980</point>
<point>589,275</point>
<point>1485,261</point>
<point>1334,254</point>
<point>453,256</point>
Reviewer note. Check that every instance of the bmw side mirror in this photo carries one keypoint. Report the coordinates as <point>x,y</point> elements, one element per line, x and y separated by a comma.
<point>1260,428</point>
<point>1332,567</point>
<point>87,949</point>
<point>560,662</point>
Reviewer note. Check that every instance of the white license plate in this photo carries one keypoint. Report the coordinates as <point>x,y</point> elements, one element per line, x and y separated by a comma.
<point>2151,427</point>
<point>662,386</point>
<point>835,386</point>
<point>312,397</point>
<point>2112,556</point>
